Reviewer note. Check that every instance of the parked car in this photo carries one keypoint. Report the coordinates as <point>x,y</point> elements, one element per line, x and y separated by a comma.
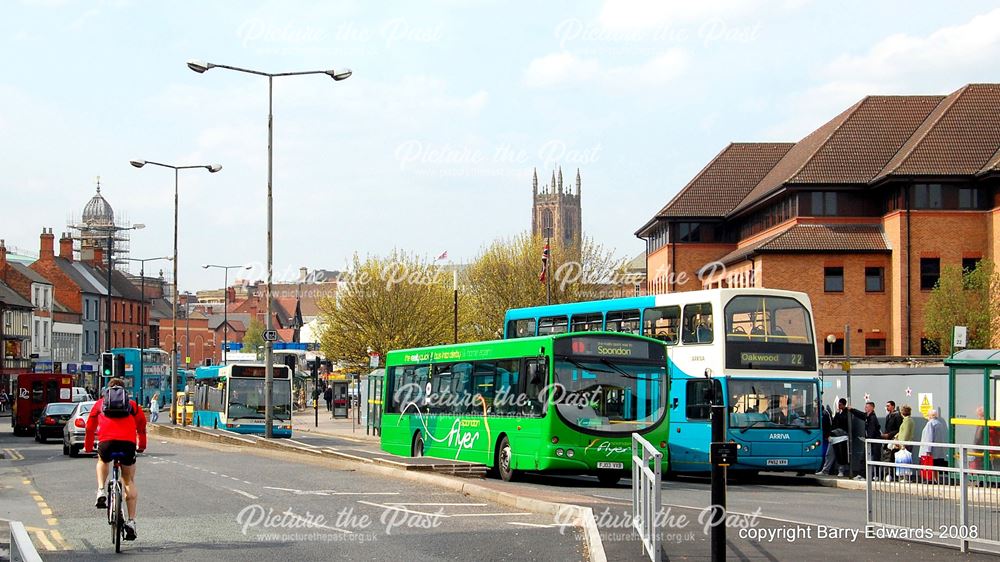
<point>52,420</point>
<point>75,429</point>
<point>80,394</point>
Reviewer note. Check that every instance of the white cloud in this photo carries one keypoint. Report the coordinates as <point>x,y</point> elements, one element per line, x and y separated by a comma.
<point>566,69</point>
<point>937,63</point>
<point>650,14</point>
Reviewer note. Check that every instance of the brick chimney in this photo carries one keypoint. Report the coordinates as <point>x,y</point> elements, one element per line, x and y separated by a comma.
<point>3,259</point>
<point>66,246</point>
<point>98,257</point>
<point>46,251</point>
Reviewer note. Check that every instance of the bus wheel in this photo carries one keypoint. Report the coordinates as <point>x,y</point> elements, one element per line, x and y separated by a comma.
<point>505,461</point>
<point>608,478</point>
<point>418,446</point>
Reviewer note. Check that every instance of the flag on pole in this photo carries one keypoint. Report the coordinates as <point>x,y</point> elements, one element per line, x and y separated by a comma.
<point>443,256</point>
<point>545,264</point>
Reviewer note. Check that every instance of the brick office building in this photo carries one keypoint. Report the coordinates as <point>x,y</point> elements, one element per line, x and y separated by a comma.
<point>861,214</point>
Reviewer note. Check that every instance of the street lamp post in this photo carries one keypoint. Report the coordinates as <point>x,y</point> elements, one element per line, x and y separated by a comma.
<point>144,318</point>
<point>225,305</point>
<point>111,230</point>
<point>213,168</point>
<point>201,67</point>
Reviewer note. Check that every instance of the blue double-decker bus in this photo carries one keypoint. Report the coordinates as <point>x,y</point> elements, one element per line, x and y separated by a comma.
<point>753,347</point>
<point>154,365</point>
<point>231,397</point>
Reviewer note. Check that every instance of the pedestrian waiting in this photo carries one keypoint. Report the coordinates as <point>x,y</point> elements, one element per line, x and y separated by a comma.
<point>872,431</point>
<point>936,431</point>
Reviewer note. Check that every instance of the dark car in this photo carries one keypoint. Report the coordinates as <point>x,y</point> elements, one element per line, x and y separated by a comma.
<point>52,420</point>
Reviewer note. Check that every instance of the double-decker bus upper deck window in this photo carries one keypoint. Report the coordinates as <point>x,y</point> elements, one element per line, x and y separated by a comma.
<point>764,319</point>
<point>698,323</point>
<point>623,321</point>
<point>769,332</point>
<point>524,328</point>
<point>552,325</point>
<point>662,323</point>
<point>587,322</point>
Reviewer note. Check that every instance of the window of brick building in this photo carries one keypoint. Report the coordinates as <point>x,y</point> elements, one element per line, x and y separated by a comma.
<point>930,272</point>
<point>824,203</point>
<point>833,279</point>
<point>835,348</point>
<point>874,279</point>
<point>968,198</point>
<point>927,196</point>
<point>875,346</point>
<point>929,347</point>
<point>969,264</point>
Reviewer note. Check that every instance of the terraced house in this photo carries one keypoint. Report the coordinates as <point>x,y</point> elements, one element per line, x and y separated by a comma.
<point>861,214</point>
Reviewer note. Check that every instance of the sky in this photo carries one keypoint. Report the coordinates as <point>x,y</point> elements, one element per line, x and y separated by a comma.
<point>430,145</point>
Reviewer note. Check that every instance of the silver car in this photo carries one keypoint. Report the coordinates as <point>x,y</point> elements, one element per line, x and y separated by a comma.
<point>75,430</point>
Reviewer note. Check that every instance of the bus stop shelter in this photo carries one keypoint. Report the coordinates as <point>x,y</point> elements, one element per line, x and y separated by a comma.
<point>973,378</point>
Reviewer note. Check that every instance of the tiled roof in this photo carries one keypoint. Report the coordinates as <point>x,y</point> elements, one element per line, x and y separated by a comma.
<point>29,273</point>
<point>10,297</point>
<point>850,148</point>
<point>993,165</point>
<point>726,180</point>
<point>960,137</point>
<point>817,238</point>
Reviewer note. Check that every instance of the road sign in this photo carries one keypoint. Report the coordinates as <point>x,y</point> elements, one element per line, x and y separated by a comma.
<point>961,337</point>
<point>270,335</point>
<point>723,454</point>
<point>373,360</point>
<point>925,400</point>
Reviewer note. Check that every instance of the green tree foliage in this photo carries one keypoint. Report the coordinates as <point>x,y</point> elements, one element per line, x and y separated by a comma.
<point>253,337</point>
<point>384,303</point>
<point>965,298</point>
<point>506,275</point>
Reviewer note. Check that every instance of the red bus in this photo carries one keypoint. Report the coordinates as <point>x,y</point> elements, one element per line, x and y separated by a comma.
<point>32,391</point>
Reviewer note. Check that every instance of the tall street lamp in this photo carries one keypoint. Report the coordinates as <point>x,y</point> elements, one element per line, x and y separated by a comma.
<point>213,168</point>
<point>337,75</point>
<point>144,318</point>
<point>225,306</point>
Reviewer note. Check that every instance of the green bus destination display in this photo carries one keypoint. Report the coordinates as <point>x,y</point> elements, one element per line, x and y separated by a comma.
<point>608,348</point>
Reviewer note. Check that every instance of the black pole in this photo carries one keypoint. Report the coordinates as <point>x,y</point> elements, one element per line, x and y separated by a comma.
<point>111,233</point>
<point>718,485</point>
<point>316,394</point>
<point>548,272</point>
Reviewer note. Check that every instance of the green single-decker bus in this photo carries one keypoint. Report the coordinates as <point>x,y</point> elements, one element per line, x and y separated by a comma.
<point>566,403</point>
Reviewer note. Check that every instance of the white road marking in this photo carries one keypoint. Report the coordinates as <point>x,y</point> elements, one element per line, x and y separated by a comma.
<point>440,504</point>
<point>488,514</point>
<point>242,493</point>
<point>404,510</point>
<point>539,525</point>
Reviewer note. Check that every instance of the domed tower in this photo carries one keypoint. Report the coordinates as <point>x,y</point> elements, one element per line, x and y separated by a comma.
<point>556,212</point>
<point>96,225</point>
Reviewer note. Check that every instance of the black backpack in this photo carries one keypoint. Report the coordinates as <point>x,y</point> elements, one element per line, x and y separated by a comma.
<point>116,402</point>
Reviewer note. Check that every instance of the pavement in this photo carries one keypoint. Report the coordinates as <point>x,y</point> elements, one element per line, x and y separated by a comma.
<point>216,502</point>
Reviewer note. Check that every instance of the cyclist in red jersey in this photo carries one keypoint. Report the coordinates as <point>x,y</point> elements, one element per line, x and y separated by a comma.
<point>126,435</point>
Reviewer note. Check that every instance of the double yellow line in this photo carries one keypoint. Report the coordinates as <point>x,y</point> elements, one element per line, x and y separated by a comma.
<point>50,539</point>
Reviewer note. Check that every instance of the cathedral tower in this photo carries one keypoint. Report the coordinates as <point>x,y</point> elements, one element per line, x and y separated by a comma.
<point>556,211</point>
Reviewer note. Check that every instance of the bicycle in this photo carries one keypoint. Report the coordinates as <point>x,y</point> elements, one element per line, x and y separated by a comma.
<point>114,489</point>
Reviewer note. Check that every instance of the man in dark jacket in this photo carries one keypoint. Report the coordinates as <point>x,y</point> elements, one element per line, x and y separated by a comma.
<point>872,431</point>
<point>840,422</point>
<point>328,396</point>
<point>893,421</point>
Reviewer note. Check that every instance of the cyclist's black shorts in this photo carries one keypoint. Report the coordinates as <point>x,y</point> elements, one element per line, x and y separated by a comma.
<point>126,448</point>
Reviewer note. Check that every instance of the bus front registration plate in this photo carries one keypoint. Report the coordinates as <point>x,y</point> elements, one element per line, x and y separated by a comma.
<point>617,465</point>
<point>777,462</point>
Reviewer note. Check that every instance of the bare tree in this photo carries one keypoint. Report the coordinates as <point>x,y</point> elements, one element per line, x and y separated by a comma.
<point>506,275</point>
<point>384,303</point>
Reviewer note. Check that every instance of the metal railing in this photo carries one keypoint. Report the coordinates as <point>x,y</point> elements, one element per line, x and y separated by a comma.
<point>21,548</point>
<point>646,499</point>
<point>953,505</point>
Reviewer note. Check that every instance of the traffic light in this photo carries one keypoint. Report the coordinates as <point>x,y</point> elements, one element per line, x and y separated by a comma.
<point>107,365</point>
<point>120,365</point>
<point>315,367</point>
